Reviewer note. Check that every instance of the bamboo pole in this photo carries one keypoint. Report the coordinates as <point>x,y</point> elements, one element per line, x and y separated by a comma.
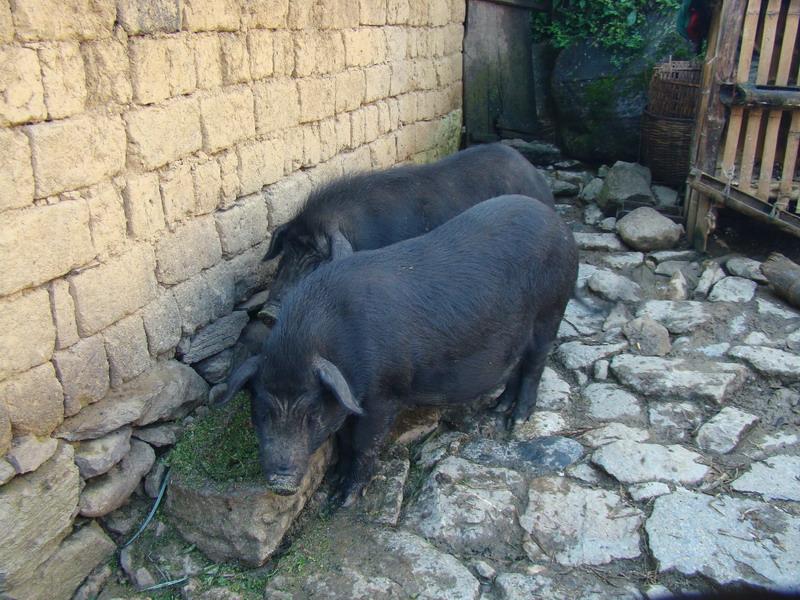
<point>775,116</point>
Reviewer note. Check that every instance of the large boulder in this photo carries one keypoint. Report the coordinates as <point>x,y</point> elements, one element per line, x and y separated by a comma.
<point>646,229</point>
<point>625,182</point>
<point>600,102</point>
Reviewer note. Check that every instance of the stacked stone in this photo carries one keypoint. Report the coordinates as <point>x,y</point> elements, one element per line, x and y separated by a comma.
<point>146,150</point>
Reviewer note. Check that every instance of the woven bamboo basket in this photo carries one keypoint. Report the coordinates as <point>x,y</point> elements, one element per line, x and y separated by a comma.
<point>668,122</point>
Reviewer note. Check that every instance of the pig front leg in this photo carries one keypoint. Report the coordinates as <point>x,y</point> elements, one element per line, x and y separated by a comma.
<point>368,435</point>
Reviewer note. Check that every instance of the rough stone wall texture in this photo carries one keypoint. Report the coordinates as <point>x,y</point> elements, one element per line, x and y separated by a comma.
<point>147,147</point>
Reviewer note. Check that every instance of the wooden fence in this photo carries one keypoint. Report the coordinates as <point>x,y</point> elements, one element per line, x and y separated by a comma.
<point>745,148</point>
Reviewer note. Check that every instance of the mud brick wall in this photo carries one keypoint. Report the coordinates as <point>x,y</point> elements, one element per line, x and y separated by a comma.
<point>147,148</point>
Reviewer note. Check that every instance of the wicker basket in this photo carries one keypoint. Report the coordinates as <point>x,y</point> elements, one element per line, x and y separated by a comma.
<point>674,89</point>
<point>668,122</point>
<point>666,143</point>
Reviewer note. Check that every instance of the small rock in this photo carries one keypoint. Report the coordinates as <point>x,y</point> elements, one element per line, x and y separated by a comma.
<point>165,434</point>
<point>553,391</point>
<point>723,431</point>
<point>677,317</point>
<point>538,153</point>
<point>624,260</point>
<point>541,424</point>
<point>484,570</point>
<point>140,577</point>
<point>577,525</point>
<point>646,229</point>
<point>583,318</point>
<point>678,287</point>
<point>665,197</point>
<point>576,355</point>
<point>757,338</point>
<point>614,287</point>
<point>647,336</point>
<point>658,592</point>
<point>590,192</point>
<point>216,368</point>
<point>28,452</point>
<point>775,478</point>
<point>793,341</point>
<point>618,316</point>
<point>608,224</point>
<point>646,491</point>
<point>636,462</point>
<point>215,337</point>
<point>733,289</point>
<point>567,585</point>
<point>584,472</point>
<point>128,517</point>
<point>7,471</point>
<point>592,214</point>
<point>108,492</point>
<point>769,443</point>
<point>437,447</point>
<point>712,350</point>
<point>675,420</point>
<point>770,361</point>
<point>613,432</point>
<point>725,539</point>
<point>94,583</point>
<point>608,402</point>
<point>671,267</point>
<point>153,480</point>
<point>606,242</point>
<point>601,370</point>
<point>666,255</point>
<point>710,276</point>
<point>563,188</point>
<point>745,267</point>
<point>625,182</point>
<point>95,457</point>
<point>678,378</point>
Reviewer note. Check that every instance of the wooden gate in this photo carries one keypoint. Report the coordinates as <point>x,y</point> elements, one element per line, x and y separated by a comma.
<point>745,148</point>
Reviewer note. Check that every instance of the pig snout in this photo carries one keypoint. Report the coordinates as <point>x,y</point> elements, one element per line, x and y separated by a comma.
<point>282,472</point>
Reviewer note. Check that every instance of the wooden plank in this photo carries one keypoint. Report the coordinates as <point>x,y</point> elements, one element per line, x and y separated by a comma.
<point>742,76</point>
<point>789,161</point>
<point>720,60</point>
<point>782,78</point>
<point>691,211</point>
<point>760,96</point>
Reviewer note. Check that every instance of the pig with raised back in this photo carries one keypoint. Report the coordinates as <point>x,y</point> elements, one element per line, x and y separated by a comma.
<point>440,319</point>
<point>372,210</point>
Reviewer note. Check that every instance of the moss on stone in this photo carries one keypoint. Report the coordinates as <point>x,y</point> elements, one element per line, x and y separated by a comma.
<point>220,448</point>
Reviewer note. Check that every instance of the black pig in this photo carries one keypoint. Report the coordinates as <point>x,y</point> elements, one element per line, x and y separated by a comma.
<point>372,210</point>
<point>440,319</point>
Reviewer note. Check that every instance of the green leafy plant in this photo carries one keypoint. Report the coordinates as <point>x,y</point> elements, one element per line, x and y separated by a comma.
<point>613,24</point>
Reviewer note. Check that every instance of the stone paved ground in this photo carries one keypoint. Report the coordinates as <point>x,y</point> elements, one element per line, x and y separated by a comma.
<point>673,403</point>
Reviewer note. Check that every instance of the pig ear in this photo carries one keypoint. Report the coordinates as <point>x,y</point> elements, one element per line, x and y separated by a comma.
<point>339,246</point>
<point>333,379</point>
<point>276,242</point>
<point>239,378</point>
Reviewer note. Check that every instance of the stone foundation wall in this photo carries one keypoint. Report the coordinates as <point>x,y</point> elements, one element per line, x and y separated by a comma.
<point>147,148</point>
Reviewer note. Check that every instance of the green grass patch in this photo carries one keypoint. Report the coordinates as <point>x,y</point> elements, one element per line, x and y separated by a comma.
<point>220,448</point>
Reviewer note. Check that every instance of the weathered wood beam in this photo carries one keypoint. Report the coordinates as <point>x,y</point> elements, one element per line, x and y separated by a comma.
<point>766,96</point>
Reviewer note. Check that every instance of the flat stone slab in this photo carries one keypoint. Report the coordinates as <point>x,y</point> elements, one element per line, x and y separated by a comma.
<point>725,539</point>
<point>677,316</point>
<point>733,289</point>
<point>216,337</point>
<point>624,260</point>
<point>532,457</point>
<point>770,361</point>
<point>606,242</point>
<point>674,420</point>
<point>636,462</point>
<point>645,491</point>
<point>722,432</point>
<point>553,391</point>
<point>583,319</point>
<point>390,565</point>
<point>577,355</point>
<point>647,336</point>
<point>162,393</point>
<point>561,585</point>
<point>470,508</point>
<point>765,307</point>
<point>712,273</point>
<point>665,378</point>
<point>777,477</point>
<point>578,525</point>
<point>384,495</point>
<point>541,423</point>
<point>609,402</point>
<point>28,452</point>
<point>614,432</point>
<point>667,255</point>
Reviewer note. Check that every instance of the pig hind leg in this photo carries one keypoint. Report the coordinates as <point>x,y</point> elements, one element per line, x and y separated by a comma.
<point>531,369</point>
